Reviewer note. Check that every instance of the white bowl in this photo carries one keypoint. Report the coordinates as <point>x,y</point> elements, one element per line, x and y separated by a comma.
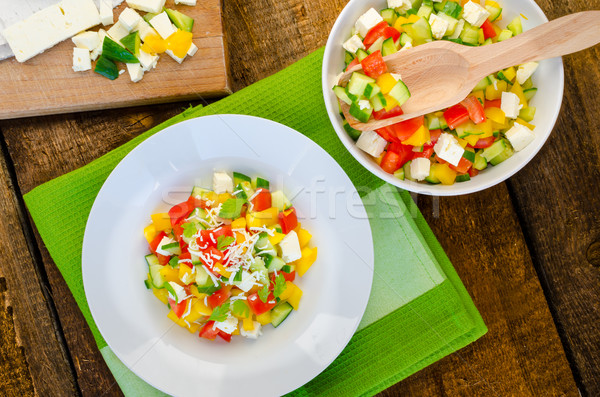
<point>549,79</point>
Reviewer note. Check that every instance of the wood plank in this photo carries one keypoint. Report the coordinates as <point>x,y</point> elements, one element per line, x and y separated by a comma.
<point>558,196</point>
<point>46,84</point>
<point>32,357</point>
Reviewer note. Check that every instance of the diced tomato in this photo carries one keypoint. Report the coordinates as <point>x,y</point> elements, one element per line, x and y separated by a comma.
<point>224,230</point>
<point>259,307</point>
<point>178,231</point>
<point>473,172</point>
<point>484,142</point>
<point>463,166</point>
<point>383,114</point>
<point>186,256</point>
<point>374,65</point>
<point>456,115</point>
<point>387,135</point>
<point>488,29</point>
<point>218,297</point>
<point>475,109</point>
<point>439,160</point>
<point>426,153</point>
<point>288,220</point>
<point>287,276</point>
<point>208,331</point>
<point>404,151</point>
<point>261,200</point>
<point>390,162</point>
<point>495,103</point>
<point>180,211</point>
<point>374,33</point>
<point>178,308</point>
<point>404,129</point>
<point>156,241</point>
<point>225,336</point>
<point>434,135</point>
<point>391,32</point>
<point>352,64</point>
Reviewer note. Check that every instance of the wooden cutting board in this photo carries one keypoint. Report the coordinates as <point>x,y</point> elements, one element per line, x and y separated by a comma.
<point>47,84</point>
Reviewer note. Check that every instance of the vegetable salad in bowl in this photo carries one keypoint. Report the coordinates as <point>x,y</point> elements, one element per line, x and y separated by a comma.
<point>225,260</point>
<point>452,145</point>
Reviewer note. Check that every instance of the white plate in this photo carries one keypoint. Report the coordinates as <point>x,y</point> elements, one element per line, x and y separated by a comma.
<point>549,79</point>
<point>161,172</point>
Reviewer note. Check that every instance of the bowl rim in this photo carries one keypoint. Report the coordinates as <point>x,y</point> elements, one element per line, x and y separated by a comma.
<point>422,188</point>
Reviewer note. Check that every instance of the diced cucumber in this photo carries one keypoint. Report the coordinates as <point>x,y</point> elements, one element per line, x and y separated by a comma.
<point>106,68</point>
<point>434,180</point>
<point>400,93</point>
<point>416,4</point>
<point>405,39</point>
<point>371,90</point>
<point>502,76</point>
<point>463,178</point>
<point>204,282</point>
<point>280,313</point>
<point>482,84</point>
<point>238,177</point>
<point>406,169</point>
<point>174,261</point>
<point>452,9</point>
<point>260,183</point>
<point>452,23</point>
<point>172,248</point>
<point>426,9</point>
<point>263,243</point>
<point>458,30</point>
<point>259,266</point>
<point>389,15</point>
<point>495,12</point>
<point>530,93</point>
<point>527,84</point>
<point>154,267</point>
<point>443,123</point>
<point>132,42</point>
<point>280,201</point>
<point>469,155</point>
<point>200,192</point>
<point>516,26</point>
<point>348,57</point>
<point>480,162</point>
<point>362,115</point>
<point>379,102</point>
<point>361,54</point>
<point>376,46</point>
<point>116,52</point>
<point>505,154</point>
<point>273,263</point>
<point>494,150</point>
<point>353,133</point>
<point>180,20</point>
<point>358,83</point>
<point>488,41</point>
<point>399,174</point>
<point>420,31</point>
<point>288,268</point>
<point>388,47</point>
<point>433,122</point>
<point>439,5</point>
<point>470,35</point>
<point>505,35</point>
<point>527,113</point>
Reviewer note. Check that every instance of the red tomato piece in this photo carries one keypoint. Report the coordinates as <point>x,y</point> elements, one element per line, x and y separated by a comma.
<point>463,166</point>
<point>225,336</point>
<point>208,331</point>
<point>374,65</point>
<point>488,29</point>
<point>178,308</point>
<point>259,307</point>
<point>287,276</point>
<point>434,135</point>
<point>178,212</point>
<point>156,241</point>
<point>188,259</point>
<point>391,32</point>
<point>397,155</point>
<point>456,115</point>
<point>404,129</point>
<point>261,200</point>
<point>475,109</point>
<point>178,231</point>
<point>374,33</point>
<point>473,172</point>
<point>484,143</point>
<point>383,114</point>
<point>387,135</point>
<point>426,153</point>
<point>495,103</point>
<point>288,220</point>
<point>390,162</point>
<point>218,297</point>
<point>353,63</point>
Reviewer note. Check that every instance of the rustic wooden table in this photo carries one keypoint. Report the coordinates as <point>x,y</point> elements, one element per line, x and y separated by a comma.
<point>527,250</point>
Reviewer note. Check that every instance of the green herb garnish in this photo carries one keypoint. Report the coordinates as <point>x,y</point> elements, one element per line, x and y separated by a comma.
<point>224,242</point>
<point>280,285</point>
<point>231,208</point>
<point>219,313</point>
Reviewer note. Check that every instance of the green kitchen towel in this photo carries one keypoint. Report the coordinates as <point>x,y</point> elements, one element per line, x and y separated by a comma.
<point>418,312</point>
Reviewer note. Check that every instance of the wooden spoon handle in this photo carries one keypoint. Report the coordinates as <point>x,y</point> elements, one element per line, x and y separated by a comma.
<point>562,36</point>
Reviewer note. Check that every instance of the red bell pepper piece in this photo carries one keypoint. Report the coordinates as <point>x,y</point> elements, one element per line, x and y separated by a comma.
<point>225,336</point>
<point>162,259</point>
<point>180,211</point>
<point>434,135</point>
<point>484,143</point>
<point>352,64</point>
<point>383,114</point>
<point>178,308</point>
<point>259,307</point>
<point>456,115</point>
<point>463,166</point>
<point>391,32</point>
<point>473,172</point>
<point>374,33</point>
<point>261,200</point>
<point>208,331</point>
<point>495,103</point>
<point>288,220</point>
<point>404,129</point>
<point>287,276</point>
<point>426,153</point>
<point>475,109</point>
<point>218,297</point>
<point>186,256</point>
<point>374,65</point>
<point>488,29</point>
<point>387,135</point>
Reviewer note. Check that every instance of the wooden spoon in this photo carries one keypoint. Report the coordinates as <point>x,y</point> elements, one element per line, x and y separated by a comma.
<point>442,73</point>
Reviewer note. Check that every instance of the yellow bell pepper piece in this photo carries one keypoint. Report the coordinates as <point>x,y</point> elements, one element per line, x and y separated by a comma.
<point>267,217</point>
<point>309,256</point>
<point>399,22</point>
<point>492,3</point>
<point>198,310</point>
<point>239,238</point>
<point>170,274</point>
<point>221,198</point>
<point>390,103</point>
<point>496,115</point>
<point>485,128</point>
<point>444,173</point>
<point>419,138</point>
<point>161,221</point>
<point>413,18</point>
<point>525,123</point>
<point>386,82</point>
<point>180,42</point>
<point>162,295</point>
<point>248,324</point>
<point>304,237</point>
<point>510,73</point>
<point>236,331</point>
<point>479,95</point>
<point>518,91</point>
<point>481,37</point>
<point>463,142</point>
<point>150,233</point>
<point>264,318</point>
<point>276,238</point>
<point>154,44</point>
<point>294,299</point>
<point>185,274</point>
<point>471,139</point>
<point>219,268</point>
<point>196,293</point>
<point>239,223</point>
<point>379,159</point>
<point>492,92</point>
<point>287,292</point>
<point>176,319</point>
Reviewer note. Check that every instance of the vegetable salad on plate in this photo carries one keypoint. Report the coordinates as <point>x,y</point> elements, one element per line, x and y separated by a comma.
<point>225,261</point>
<point>452,145</point>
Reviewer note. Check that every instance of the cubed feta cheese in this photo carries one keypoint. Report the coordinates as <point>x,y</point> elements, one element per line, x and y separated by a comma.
<point>192,51</point>
<point>222,183</point>
<point>98,50</point>
<point>145,29</point>
<point>180,294</point>
<point>135,71</point>
<point>162,24</point>
<point>148,61</point>
<point>447,148</point>
<point>247,282</point>
<point>419,168</point>
<point>372,143</point>
<point>87,40</point>
<point>438,26</point>
<point>165,241</point>
<point>475,14</point>
<point>290,247</point>
<point>525,71</point>
<point>364,104</point>
<point>117,32</point>
<point>81,59</point>
<point>129,19</point>
<point>353,44</point>
<point>367,21</point>
<point>154,6</point>
<point>175,57</point>
<point>186,2</point>
<point>228,326</point>
<point>400,5</point>
<point>510,105</point>
<point>519,136</point>
<point>106,12</point>
<point>254,333</point>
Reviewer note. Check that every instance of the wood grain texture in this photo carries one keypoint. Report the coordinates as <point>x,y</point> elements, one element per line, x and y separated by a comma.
<point>32,356</point>
<point>46,84</point>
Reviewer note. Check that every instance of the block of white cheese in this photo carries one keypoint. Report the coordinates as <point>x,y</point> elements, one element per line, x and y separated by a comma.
<point>148,61</point>
<point>186,2</point>
<point>129,19</point>
<point>372,143</point>
<point>135,71</point>
<point>400,5</point>
<point>96,52</point>
<point>222,183</point>
<point>106,12</point>
<point>81,59</point>
<point>50,26</point>
<point>117,32</point>
<point>448,149</point>
<point>353,44</point>
<point>419,168</point>
<point>162,24</point>
<point>520,136</point>
<point>87,40</point>
<point>475,14</point>
<point>192,50</point>
<point>438,26</point>
<point>366,21</point>
<point>175,57</point>
<point>154,6</point>
<point>510,105</point>
<point>525,71</point>
<point>145,29</point>
<point>290,247</point>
